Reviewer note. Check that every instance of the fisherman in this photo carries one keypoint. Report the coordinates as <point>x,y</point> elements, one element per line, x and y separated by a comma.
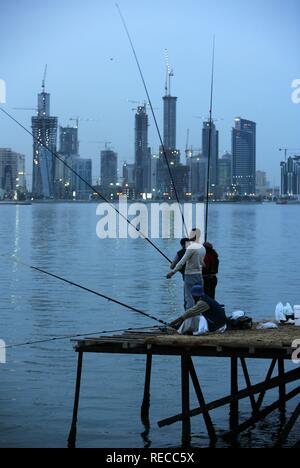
<point>207,315</point>
<point>179,256</point>
<point>210,270</point>
<point>193,261</point>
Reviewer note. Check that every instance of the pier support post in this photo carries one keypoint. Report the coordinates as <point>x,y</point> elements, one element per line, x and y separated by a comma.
<point>73,431</point>
<point>282,387</point>
<point>289,426</point>
<point>185,398</point>
<point>248,382</point>
<point>234,406</point>
<point>146,400</point>
<point>202,404</point>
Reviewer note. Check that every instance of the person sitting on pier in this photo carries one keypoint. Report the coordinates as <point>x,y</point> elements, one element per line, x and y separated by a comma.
<point>207,315</point>
<point>193,261</point>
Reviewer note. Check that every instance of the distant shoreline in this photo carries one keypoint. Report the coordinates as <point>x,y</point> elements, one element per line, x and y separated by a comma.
<point>89,202</point>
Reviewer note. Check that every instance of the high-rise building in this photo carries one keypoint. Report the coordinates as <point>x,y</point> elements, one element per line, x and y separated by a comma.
<point>197,164</point>
<point>210,145</point>
<point>180,173</point>
<point>290,177</point>
<point>68,141</point>
<point>142,152</point>
<point>262,184</point>
<point>44,129</point>
<point>128,182</point>
<point>244,156</point>
<point>12,172</point>
<point>64,185</point>
<point>109,168</point>
<point>225,171</point>
<point>170,103</point>
<point>83,167</point>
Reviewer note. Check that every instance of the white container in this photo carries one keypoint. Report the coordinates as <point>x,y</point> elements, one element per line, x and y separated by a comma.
<point>297,311</point>
<point>297,322</point>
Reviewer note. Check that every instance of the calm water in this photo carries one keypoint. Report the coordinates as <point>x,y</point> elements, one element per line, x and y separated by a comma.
<point>259,248</point>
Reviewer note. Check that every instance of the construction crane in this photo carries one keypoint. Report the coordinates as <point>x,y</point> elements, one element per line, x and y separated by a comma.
<point>188,151</point>
<point>44,79</point>
<point>169,75</point>
<point>26,108</point>
<point>79,119</point>
<point>206,119</point>
<point>140,104</point>
<point>105,142</point>
<point>287,150</point>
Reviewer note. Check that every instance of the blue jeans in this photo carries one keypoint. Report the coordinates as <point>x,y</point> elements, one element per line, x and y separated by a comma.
<point>189,282</point>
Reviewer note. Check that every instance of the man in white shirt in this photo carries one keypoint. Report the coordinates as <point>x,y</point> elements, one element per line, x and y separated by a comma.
<point>193,261</point>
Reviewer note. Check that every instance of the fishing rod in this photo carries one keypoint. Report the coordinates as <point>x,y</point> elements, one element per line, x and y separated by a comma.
<point>152,112</point>
<point>210,139</point>
<point>103,296</point>
<point>69,337</point>
<point>53,153</point>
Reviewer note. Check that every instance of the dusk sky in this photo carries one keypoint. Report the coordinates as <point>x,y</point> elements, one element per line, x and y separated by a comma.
<point>92,73</point>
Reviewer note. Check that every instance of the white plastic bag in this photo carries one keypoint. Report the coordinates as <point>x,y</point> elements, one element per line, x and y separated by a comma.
<point>279,313</point>
<point>288,310</point>
<point>266,326</point>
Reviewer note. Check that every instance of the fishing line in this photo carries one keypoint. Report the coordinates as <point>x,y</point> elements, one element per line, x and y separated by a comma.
<point>103,296</point>
<point>67,337</point>
<point>210,138</point>
<point>86,182</point>
<point>153,113</point>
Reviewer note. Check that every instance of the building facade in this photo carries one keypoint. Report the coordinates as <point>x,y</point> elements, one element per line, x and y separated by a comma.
<point>142,152</point>
<point>44,129</point>
<point>225,172</point>
<point>83,167</point>
<point>244,157</point>
<point>290,177</point>
<point>12,174</point>
<point>210,144</point>
<point>109,168</point>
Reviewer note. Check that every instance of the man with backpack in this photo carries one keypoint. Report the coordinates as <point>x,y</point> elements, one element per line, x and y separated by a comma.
<point>193,261</point>
<point>210,270</point>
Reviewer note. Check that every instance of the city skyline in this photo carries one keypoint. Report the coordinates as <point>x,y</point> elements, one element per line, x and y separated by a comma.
<point>250,85</point>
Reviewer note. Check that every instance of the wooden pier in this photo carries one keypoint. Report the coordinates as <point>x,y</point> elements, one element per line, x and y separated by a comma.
<point>275,346</point>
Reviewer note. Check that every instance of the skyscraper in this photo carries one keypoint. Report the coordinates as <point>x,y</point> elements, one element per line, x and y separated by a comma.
<point>109,168</point>
<point>244,156</point>
<point>170,103</point>
<point>83,167</point>
<point>44,129</point>
<point>179,172</point>
<point>197,164</point>
<point>69,153</point>
<point>225,171</point>
<point>68,141</point>
<point>211,147</point>
<point>142,152</point>
<point>12,172</point>
<point>290,177</point>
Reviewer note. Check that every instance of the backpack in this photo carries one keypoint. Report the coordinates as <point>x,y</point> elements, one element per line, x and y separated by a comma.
<point>241,323</point>
<point>213,262</point>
